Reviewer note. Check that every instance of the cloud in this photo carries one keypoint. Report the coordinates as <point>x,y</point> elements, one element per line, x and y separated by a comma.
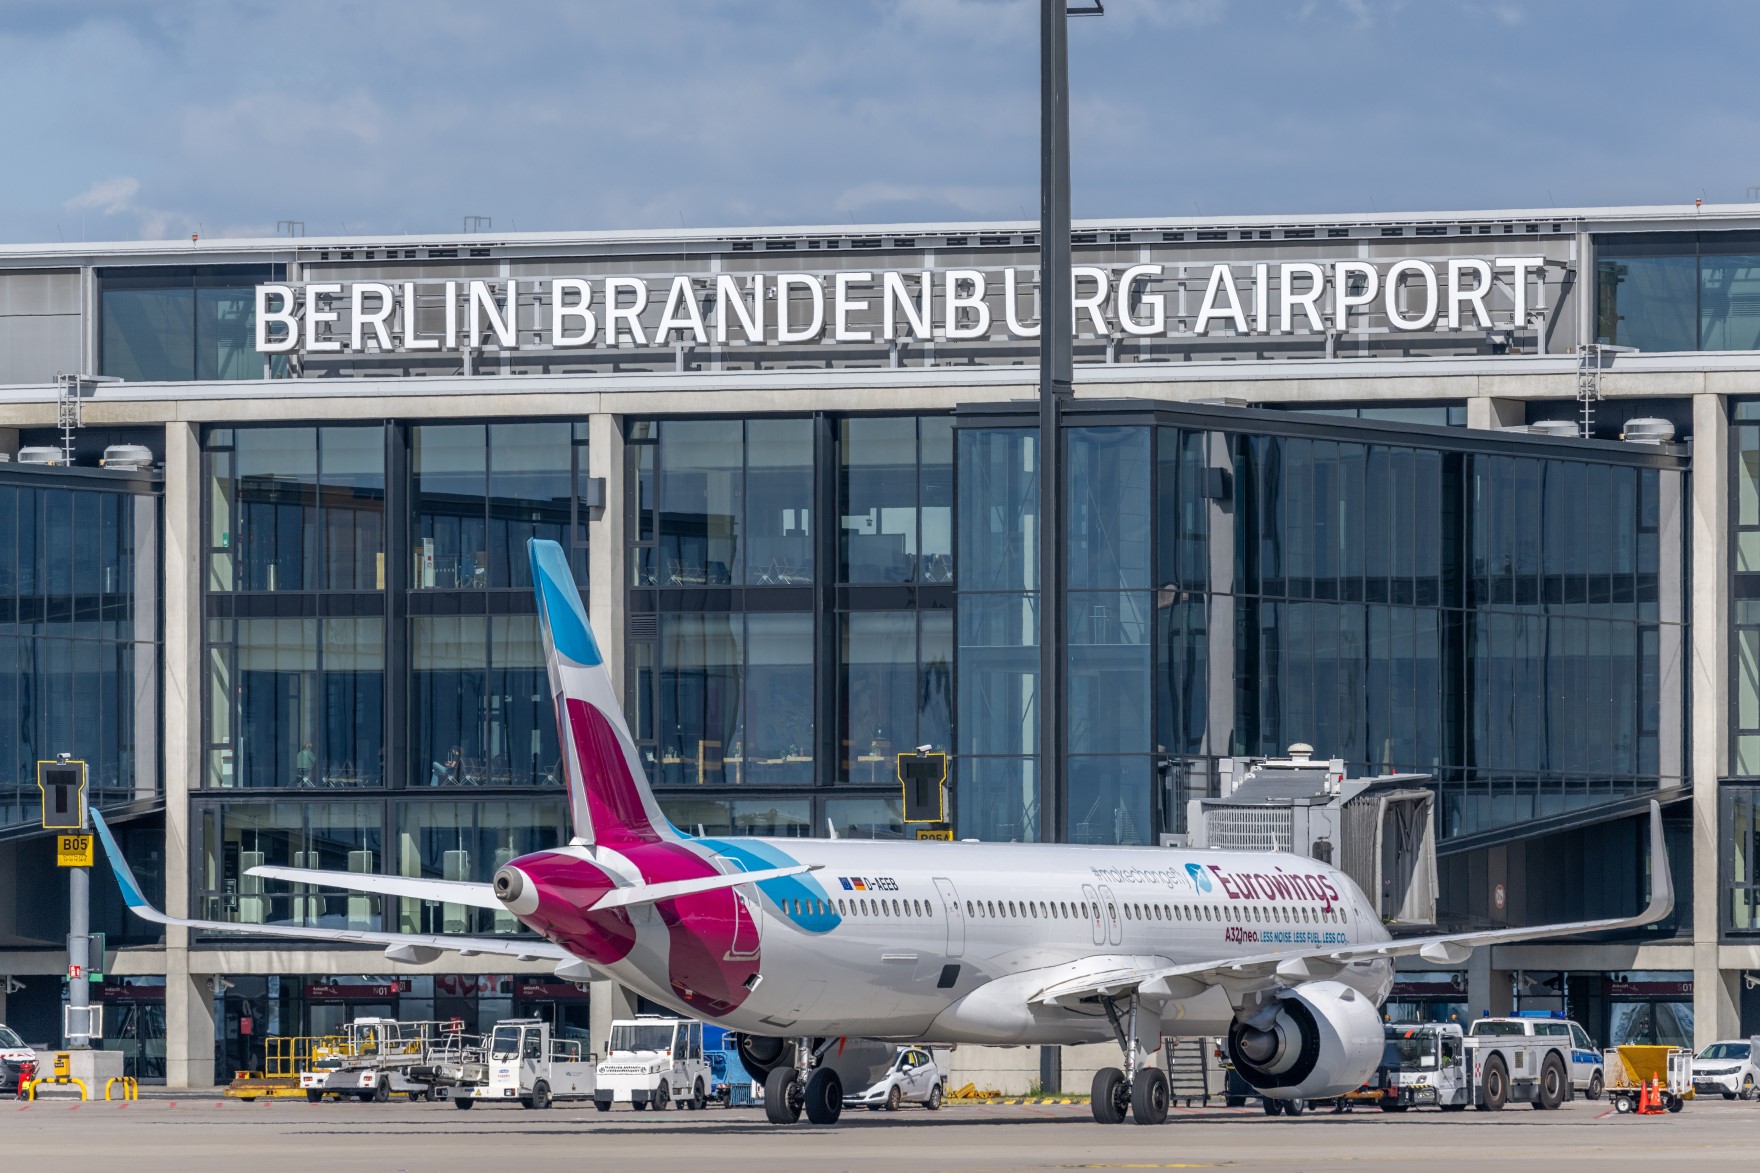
<point>110,196</point>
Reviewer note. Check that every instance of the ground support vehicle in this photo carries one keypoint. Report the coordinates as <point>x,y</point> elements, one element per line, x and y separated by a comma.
<point>1568,1039</point>
<point>1436,1065</point>
<point>915,1077</point>
<point>15,1057</point>
<point>653,1062</point>
<point>1728,1068</point>
<point>1631,1067</point>
<point>523,1063</point>
<point>730,1083</point>
<point>375,1059</point>
<point>284,1058</point>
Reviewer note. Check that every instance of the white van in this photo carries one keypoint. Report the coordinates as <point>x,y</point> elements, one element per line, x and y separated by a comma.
<point>1579,1052</point>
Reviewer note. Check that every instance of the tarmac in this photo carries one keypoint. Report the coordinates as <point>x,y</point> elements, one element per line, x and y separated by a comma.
<point>203,1134</point>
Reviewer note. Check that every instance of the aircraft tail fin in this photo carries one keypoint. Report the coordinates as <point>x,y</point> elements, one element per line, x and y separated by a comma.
<point>609,799</point>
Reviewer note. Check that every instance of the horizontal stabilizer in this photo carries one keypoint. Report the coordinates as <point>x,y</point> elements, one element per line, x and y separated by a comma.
<point>410,948</point>
<point>672,890</point>
<point>443,891</point>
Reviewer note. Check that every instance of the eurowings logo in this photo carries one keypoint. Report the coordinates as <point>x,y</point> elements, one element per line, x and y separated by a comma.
<point>1199,876</point>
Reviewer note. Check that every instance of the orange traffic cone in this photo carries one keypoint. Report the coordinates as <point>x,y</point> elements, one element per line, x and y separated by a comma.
<point>1650,1099</point>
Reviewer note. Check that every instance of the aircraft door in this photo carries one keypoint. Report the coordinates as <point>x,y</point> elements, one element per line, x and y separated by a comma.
<point>954,915</point>
<point>1096,914</point>
<point>1114,924</point>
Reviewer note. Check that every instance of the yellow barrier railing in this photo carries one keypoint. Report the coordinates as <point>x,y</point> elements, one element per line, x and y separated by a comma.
<point>130,1089</point>
<point>285,1056</point>
<point>31,1090</point>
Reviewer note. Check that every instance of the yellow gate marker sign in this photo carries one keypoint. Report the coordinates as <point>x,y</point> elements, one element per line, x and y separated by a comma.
<point>932,833</point>
<point>73,851</point>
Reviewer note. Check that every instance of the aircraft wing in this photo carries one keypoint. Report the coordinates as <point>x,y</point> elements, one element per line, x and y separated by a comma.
<point>445,891</point>
<point>415,948</point>
<point>1285,967</point>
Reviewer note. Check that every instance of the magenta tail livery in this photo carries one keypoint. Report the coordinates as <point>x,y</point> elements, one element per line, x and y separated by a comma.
<point>793,942</point>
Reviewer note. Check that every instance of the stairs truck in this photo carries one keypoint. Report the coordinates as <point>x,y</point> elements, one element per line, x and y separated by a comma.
<point>520,1062</point>
<point>1437,1065</point>
<point>654,1062</point>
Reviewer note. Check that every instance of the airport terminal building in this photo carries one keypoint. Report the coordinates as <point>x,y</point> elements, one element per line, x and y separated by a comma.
<point>1368,482</point>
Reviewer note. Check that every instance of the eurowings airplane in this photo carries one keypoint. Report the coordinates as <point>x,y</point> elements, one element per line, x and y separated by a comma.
<point>796,943</point>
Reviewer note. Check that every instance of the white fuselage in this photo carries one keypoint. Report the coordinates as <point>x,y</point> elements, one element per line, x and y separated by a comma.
<point>951,942</point>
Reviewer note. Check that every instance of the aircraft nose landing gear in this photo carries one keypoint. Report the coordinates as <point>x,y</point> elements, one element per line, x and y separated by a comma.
<point>817,1090</point>
<point>1140,1090</point>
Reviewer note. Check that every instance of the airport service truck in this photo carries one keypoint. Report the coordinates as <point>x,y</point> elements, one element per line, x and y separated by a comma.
<point>654,1062</point>
<point>1435,1064</point>
<point>521,1062</point>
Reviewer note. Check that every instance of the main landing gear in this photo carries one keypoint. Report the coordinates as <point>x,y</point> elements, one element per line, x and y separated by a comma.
<point>816,1090</point>
<point>1139,1090</point>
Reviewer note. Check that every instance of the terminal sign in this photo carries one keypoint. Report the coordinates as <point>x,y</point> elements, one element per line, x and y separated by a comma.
<point>563,313</point>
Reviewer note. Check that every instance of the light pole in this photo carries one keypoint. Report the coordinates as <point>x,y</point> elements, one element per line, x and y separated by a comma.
<point>1056,384</point>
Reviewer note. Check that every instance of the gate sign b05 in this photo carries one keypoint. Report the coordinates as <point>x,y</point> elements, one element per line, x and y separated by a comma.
<point>63,784</point>
<point>924,777</point>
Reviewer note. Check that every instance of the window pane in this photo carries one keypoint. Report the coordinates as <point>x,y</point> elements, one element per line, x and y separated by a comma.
<point>1729,303</point>
<point>278,706</point>
<point>353,476</point>
<point>879,694</point>
<point>225,334</point>
<point>867,818</point>
<point>450,465</point>
<point>1648,302</point>
<point>778,729</point>
<point>149,334</point>
<point>530,495</point>
<point>999,799</point>
<point>700,676</point>
<point>999,509</point>
<point>700,503</point>
<point>1109,524</point>
<point>468,841</point>
<point>1109,672</point>
<point>879,494</point>
<point>449,694</point>
<point>935,521</point>
<point>998,673</point>
<point>1109,800</point>
<point>779,497</point>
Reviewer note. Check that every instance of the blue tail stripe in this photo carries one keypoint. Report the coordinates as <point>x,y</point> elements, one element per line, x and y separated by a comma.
<point>131,891</point>
<point>560,603</point>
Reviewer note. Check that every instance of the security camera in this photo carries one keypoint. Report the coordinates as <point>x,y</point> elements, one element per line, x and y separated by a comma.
<point>13,985</point>
<point>1749,981</point>
<point>924,748</point>
<point>218,985</point>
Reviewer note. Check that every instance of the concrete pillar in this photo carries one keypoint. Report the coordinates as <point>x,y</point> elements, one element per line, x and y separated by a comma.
<point>1487,413</point>
<point>607,574</point>
<point>1716,1003</point>
<point>189,1015</point>
<point>607,1001</point>
<point>1488,989</point>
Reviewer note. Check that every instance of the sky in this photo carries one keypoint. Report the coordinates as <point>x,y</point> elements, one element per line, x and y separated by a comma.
<point>139,120</point>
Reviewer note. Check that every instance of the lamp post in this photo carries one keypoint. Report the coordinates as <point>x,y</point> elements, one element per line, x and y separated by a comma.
<point>1056,384</point>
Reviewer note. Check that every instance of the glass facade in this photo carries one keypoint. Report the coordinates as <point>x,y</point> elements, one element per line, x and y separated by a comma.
<point>767,653</point>
<point>1679,290</point>
<point>79,635</point>
<point>370,629</point>
<point>180,323</point>
<point>1442,610</point>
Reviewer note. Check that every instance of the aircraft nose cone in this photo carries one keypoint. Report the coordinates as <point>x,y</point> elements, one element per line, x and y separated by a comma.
<point>516,890</point>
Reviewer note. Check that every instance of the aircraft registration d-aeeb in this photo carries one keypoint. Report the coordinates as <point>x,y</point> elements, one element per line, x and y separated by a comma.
<point>796,943</point>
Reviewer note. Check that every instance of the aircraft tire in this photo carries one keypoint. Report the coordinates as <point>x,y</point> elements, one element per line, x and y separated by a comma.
<point>824,1096</point>
<point>1149,1096</point>
<point>781,1105</point>
<point>1111,1096</point>
<point>1294,1107</point>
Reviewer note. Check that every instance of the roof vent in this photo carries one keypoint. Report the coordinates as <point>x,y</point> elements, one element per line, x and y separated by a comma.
<point>132,457</point>
<point>1553,428</point>
<point>1301,751</point>
<point>39,454</point>
<point>1648,430</point>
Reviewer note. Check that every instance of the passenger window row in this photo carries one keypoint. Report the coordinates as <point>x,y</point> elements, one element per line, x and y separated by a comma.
<point>900,908</point>
<point>1066,910</point>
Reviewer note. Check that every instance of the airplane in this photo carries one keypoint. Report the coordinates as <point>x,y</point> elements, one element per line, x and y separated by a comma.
<point>797,944</point>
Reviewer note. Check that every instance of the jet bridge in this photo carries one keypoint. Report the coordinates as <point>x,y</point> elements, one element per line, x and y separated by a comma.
<point>1380,831</point>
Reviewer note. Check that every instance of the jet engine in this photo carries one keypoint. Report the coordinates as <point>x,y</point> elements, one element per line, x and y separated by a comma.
<point>762,1054</point>
<point>1317,1040</point>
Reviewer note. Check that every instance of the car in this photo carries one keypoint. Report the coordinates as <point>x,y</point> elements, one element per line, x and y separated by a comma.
<point>1729,1068</point>
<point>1580,1053</point>
<point>915,1077</point>
<point>14,1055</point>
